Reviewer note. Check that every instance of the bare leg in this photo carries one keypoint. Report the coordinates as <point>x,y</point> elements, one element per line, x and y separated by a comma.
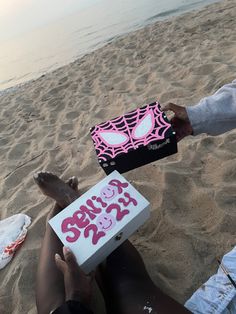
<point>50,292</point>
<point>129,289</point>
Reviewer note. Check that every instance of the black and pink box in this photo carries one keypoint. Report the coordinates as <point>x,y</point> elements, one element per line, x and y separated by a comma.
<point>134,139</point>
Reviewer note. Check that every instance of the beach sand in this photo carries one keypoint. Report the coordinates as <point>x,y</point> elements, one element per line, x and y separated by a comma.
<point>45,126</point>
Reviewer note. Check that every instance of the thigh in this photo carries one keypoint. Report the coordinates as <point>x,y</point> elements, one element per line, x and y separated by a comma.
<point>129,288</point>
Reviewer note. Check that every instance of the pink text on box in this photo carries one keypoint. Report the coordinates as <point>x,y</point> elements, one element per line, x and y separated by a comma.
<point>100,214</point>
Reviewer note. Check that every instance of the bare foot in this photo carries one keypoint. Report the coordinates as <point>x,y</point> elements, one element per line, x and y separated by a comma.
<point>54,187</point>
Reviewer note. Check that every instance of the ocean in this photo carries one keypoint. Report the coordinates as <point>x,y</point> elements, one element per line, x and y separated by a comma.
<point>61,41</point>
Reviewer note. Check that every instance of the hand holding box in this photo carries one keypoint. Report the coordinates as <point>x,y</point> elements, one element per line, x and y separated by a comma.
<point>100,220</point>
<point>134,139</point>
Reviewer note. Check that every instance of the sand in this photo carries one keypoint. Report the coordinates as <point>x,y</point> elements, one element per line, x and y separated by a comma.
<point>45,126</point>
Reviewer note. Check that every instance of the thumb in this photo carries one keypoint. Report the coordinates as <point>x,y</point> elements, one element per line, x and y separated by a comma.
<point>180,111</point>
<point>69,258</point>
<point>170,106</point>
<point>61,265</point>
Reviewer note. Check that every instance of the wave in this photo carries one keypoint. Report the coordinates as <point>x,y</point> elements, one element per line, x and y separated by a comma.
<point>173,12</point>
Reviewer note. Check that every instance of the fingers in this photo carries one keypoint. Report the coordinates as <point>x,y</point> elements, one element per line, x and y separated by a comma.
<point>61,265</point>
<point>71,261</point>
<point>170,106</point>
<point>69,257</point>
<point>180,111</point>
<point>69,264</point>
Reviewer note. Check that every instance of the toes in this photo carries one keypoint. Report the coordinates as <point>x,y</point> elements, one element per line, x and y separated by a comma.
<point>73,182</point>
<point>41,177</point>
<point>69,182</point>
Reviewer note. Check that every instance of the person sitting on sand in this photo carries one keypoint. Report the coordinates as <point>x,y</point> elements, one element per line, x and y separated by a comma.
<point>214,115</point>
<point>62,287</point>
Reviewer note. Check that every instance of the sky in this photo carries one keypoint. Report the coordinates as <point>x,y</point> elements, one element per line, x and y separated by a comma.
<point>21,16</point>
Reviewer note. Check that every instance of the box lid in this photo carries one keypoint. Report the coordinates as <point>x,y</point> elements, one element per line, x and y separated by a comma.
<point>128,132</point>
<point>98,215</point>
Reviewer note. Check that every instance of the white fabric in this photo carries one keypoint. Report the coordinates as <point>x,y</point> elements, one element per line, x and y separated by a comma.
<point>13,231</point>
<point>215,114</point>
<point>217,295</point>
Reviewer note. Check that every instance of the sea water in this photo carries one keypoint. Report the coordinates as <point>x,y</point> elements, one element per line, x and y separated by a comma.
<point>76,31</point>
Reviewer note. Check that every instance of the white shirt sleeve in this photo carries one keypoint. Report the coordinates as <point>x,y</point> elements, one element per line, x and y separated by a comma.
<point>215,114</point>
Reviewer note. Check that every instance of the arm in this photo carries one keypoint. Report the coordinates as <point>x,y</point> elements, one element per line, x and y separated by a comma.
<point>215,114</point>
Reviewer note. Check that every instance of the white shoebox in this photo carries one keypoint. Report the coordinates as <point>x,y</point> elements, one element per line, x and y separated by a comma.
<point>97,222</point>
